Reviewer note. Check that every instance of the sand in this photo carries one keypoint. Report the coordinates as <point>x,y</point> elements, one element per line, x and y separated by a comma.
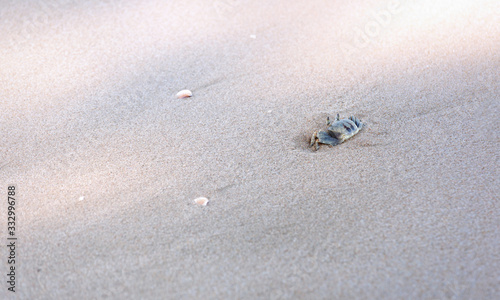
<point>108,162</point>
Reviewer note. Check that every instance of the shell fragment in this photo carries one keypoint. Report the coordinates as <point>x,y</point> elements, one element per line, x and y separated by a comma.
<point>184,94</point>
<point>201,201</point>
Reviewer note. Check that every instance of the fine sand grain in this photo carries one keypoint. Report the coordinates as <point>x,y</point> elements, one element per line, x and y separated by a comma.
<point>107,161</point>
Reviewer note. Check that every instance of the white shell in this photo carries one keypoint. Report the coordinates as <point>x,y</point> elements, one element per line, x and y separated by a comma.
<point>184,94</point>
<point>201,201</point>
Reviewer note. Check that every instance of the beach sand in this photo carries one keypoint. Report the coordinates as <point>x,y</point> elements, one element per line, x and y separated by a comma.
<point>107,161</point>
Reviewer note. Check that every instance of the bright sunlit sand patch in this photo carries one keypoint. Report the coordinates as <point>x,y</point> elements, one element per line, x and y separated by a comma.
<point>425,31</point>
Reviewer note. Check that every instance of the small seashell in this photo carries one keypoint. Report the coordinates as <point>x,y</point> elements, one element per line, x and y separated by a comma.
<point>201,201</point>
<point>253,36</point>
<point>184,94</point>
<point>81,198</point>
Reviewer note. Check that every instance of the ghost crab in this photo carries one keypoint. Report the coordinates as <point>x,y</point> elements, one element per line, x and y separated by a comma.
<point>337,132</point>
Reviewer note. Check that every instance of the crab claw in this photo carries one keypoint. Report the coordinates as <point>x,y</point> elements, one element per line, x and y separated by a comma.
<point>314,140</point>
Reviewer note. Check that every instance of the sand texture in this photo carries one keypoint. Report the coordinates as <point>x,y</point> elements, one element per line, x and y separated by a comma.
<point>108,161</point>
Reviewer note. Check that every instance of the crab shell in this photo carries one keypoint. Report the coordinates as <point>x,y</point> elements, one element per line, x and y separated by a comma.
<point>344,129</point>
<point>337,132</point>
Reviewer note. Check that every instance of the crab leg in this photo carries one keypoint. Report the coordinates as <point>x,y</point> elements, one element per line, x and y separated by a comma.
<point>314,140</point>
